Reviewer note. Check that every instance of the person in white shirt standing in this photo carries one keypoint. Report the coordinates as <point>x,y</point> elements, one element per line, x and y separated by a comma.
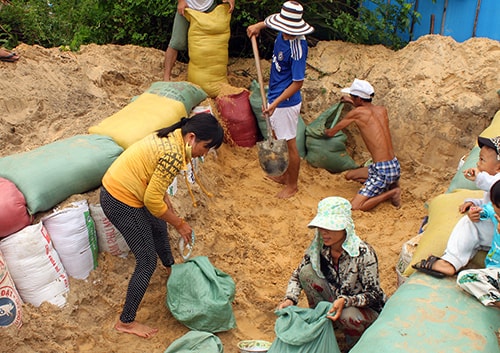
<point>178,41</point>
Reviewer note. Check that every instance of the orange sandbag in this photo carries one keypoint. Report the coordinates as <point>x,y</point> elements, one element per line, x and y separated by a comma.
<point>237,114</point>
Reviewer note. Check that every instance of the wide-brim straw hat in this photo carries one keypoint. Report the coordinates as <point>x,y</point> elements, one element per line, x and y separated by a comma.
<point>289,20</point>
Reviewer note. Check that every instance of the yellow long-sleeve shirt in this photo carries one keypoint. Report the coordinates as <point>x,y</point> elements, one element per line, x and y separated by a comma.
<point>141,175</point>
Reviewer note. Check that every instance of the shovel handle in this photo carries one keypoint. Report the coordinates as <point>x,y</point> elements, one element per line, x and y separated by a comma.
<point>259,70</point>
<point>261,84</point>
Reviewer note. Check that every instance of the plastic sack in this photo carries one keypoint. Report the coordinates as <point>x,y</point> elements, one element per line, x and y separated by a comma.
<point>11,305</point>
<point>147,113</point>
<point>185,92</point>
<point>196,342</point>
<point>73,233</point>
<point>443,216</point>
<point>35,267</point>
<point>208,43</point>
<point>304,330</point>
<point>238,117</point>
<point>13,213</point>
<point>109,239</point>
<point>256,104</point>
<point>52,173</point>
<point>428,314</point>
<point>328,153</point>
<point>200,296</point>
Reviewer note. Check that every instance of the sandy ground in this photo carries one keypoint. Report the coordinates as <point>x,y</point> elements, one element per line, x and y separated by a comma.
<point>440,95</point>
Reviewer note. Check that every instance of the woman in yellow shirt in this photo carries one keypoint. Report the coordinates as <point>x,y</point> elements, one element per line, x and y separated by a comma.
<point>134,198</point>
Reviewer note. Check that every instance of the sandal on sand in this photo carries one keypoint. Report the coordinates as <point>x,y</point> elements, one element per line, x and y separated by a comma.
<point>425,266</point>
<point>11,57</point>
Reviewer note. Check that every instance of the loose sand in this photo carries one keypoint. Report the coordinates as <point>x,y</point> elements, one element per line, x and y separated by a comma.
<point>440,95</point>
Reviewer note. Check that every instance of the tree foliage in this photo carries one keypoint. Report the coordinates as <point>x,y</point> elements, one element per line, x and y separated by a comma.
<point>71,23</point>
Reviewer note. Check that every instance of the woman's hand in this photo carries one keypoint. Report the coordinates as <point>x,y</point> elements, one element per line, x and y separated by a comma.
<point>168,271</point>
<point>285,303</point>
<point>185,230</point>
<point>336,309</point>
<point>181,6</point>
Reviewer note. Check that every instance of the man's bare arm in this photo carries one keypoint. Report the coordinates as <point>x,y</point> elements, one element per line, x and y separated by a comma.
<point>346,121</point>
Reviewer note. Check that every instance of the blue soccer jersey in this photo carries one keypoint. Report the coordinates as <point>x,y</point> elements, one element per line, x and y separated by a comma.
<point>289,64</point>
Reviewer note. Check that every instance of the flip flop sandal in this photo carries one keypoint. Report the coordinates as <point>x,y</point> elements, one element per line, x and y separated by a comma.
<point>9,58</point>
<point>425,266</point>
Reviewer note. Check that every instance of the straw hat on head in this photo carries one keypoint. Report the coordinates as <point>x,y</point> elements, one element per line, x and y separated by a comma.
<point>289,20</point>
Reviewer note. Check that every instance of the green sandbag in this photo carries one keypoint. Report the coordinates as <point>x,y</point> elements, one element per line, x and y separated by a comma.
<point>459,181</point>
<point>185,92</point>
<point>428,314</point>
<point>196,342</point>
<point>256,105</point>
<point>304,330</point>
<point>328,153</point>
<point>200,296</point>
<point>52,173</point>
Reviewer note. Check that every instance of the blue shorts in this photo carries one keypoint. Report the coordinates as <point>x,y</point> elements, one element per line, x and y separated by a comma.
<point>381,176</point>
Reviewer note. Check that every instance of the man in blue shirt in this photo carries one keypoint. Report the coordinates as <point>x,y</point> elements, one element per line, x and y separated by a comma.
<point>287,76</point>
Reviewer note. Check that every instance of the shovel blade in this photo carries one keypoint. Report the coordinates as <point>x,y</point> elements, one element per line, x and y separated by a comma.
<point>273,156</point>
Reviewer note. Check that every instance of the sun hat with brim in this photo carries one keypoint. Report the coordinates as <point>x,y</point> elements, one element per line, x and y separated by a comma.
<point>334,213</point>
<point>289,20</point>
<point>493,142</point>
<point>360,88</point>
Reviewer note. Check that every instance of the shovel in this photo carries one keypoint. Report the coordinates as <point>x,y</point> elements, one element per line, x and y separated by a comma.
<point>273,154</point>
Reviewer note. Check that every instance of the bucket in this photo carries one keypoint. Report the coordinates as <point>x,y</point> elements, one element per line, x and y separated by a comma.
<point>252,346</point>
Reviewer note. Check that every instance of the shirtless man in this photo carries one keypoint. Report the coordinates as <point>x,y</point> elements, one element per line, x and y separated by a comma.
<point>380,179</point>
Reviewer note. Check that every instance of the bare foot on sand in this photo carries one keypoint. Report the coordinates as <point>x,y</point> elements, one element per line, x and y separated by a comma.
<point>136,328</point>
<point>277,179</point>
<point>287,192</point>
<point>396,198</point>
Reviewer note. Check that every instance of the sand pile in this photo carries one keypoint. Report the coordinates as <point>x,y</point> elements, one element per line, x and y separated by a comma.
<point>440,95</point>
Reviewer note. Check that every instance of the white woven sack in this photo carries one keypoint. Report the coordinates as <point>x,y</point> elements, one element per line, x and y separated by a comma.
<point>72,230</point>
<point>108,237</point>
<point>35,267</point>
<point>11,305</point>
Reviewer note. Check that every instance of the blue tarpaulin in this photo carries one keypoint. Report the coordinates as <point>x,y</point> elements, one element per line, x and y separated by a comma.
<point>460,19</point>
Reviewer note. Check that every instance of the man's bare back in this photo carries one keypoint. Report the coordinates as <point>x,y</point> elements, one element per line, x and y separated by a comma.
<point>373,124</point>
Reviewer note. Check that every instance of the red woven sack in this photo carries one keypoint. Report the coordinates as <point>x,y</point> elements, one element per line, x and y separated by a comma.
<point>13,213</point>
<point>239,119</point>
